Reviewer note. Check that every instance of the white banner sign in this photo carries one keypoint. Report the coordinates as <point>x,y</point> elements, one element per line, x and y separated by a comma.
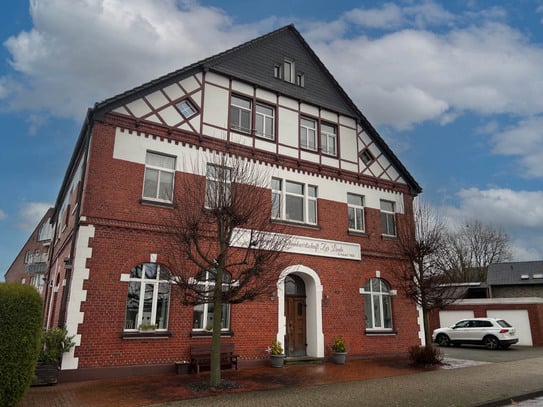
<point>307,245</point>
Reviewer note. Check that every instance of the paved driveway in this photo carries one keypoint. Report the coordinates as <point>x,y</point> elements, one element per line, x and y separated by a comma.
<point>481,354</point>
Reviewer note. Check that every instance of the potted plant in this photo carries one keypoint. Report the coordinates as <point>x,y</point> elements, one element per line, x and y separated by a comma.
<point>147,328</point>
<point>276,354</point>
<point>54,342</point>
<point>339,349</point>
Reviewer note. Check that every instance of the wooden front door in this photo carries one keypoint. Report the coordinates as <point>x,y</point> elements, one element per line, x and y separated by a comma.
<point>296,340</point>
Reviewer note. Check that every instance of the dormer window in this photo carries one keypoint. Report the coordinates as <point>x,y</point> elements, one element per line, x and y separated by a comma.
<point>287,72</point>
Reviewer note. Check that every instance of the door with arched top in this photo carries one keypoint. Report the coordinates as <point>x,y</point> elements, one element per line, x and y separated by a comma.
<point>295,313</point>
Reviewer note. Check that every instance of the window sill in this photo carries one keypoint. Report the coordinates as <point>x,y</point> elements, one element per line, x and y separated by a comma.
<point>150,202</point>
<point>384,332</point>
<point>358,233</point>
<point>389,237</point>
<point>208,334</point>
<point>298,224</point>
<point>146,335</point>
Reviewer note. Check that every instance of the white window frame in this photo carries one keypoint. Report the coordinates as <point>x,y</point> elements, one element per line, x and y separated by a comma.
<point>218,186</point>
<point>308,196</point>
<point>356,212</point>
<point>264,121</point>
<point>207,285</point>
<point>378,300</point>
<point>308,133</point>
<point>329,139</point>
<point>388,217</point>
<point>186,108</point>
<point>156,283</point>
<point>161,170</point>
<point>237,108</point>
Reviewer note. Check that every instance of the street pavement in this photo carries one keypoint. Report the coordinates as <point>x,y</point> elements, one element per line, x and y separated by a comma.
<point>478,378</point>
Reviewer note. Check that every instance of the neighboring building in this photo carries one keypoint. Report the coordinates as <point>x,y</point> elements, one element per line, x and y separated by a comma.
<point>516,279</point>
<point>30,265</point>
<point>343,195</point>
<point>515,294</point>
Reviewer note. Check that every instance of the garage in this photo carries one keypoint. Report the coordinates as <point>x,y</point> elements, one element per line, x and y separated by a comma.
<point>519,319</point>
<point>449,318</point>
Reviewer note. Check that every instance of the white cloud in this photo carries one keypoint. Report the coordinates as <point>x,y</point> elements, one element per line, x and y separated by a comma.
<point>80,52</point>
<point>526,141</point>
<point>30,214</point>
<point>518,213</point>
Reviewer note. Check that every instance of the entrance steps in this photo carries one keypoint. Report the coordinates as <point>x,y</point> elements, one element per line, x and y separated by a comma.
<point>303,360</point>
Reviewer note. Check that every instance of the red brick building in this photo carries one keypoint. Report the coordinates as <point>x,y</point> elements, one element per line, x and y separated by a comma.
<point>31,264</point>
<point>339,192</point>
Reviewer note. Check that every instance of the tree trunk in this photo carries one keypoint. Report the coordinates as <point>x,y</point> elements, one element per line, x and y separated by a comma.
<point>215,368</point>
<point>426,320</point>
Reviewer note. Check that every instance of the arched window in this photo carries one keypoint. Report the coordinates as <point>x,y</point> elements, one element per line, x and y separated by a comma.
<point>294,285</point>
<point>378,304</point>
<point>148,299</point>
<point>203,313</point>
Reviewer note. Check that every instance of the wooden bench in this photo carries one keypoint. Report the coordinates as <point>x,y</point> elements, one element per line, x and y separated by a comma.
<point>200,356</point>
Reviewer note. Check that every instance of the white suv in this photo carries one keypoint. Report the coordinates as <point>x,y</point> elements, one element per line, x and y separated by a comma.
<point>490,332</point>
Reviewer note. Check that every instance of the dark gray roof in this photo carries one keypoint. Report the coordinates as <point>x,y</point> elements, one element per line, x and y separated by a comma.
<point>517,273</point>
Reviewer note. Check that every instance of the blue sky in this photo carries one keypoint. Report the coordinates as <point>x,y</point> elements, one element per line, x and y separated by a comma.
<point>454,87</point>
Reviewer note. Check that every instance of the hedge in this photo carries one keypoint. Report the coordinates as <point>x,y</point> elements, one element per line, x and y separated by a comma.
<point>21,309</point>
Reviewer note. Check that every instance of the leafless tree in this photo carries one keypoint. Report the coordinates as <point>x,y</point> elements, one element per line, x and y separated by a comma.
<point>421,241</point>
<point>227,250</point>
<point>470,249</point>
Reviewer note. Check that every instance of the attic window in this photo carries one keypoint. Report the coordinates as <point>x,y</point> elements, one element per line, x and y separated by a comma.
<point>366,156</point>
<point>539,275</point>
<point>287,72</point>
<point>524,277</point>
<point>186,108</point>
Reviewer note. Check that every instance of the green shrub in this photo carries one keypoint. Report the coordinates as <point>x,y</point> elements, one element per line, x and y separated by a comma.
<point>21,319</point>
<point>425,355</point>
<point>54,342</point>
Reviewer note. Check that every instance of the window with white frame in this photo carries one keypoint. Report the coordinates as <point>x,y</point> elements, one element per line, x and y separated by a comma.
<point>388,218</point>
<point>294,201</point>
<point>265,121</point>
<point>203,313</point>
<point>159,177</point>
<point>378,304</point>
<point>218,186</point>
<point>240,114</point>
<point>355,204</point>
<point>148,300</point>
<point>328,139</point>
<point>186,108</point>
<point>308,134</point>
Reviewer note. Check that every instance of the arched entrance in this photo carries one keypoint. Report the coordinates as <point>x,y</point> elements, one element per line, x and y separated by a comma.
<point>295,314</point>
<point>302,307</point>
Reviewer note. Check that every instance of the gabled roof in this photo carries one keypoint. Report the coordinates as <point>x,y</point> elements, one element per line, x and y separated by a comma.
<point>250,62</point>
<point>246,62</point>
<point>516,273</point>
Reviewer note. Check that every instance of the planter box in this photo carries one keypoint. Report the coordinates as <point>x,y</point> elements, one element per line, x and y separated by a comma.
<point>339,357</point>
<point>46,374</point>
<point>182,367</point>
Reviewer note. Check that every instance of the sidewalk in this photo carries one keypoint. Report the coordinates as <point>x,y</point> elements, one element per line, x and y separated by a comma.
<point>377,382</point>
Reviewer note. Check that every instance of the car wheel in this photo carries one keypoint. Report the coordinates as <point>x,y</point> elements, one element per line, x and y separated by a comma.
<point>490,342</point>
<point>443,340</point>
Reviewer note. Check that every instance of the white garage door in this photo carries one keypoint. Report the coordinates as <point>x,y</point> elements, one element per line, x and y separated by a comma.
<point>449,318</point>
<point>519,319</point>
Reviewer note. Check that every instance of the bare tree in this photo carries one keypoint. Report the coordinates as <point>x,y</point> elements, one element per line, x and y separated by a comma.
<point>469,250</point>
<point>227,248</point>
<point>421,241</point>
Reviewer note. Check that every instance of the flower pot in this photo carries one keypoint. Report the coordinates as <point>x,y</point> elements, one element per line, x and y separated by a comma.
<point>182,367</point>
<point>277,360</point>
<point>339,357</point>
<point>46,374</point>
